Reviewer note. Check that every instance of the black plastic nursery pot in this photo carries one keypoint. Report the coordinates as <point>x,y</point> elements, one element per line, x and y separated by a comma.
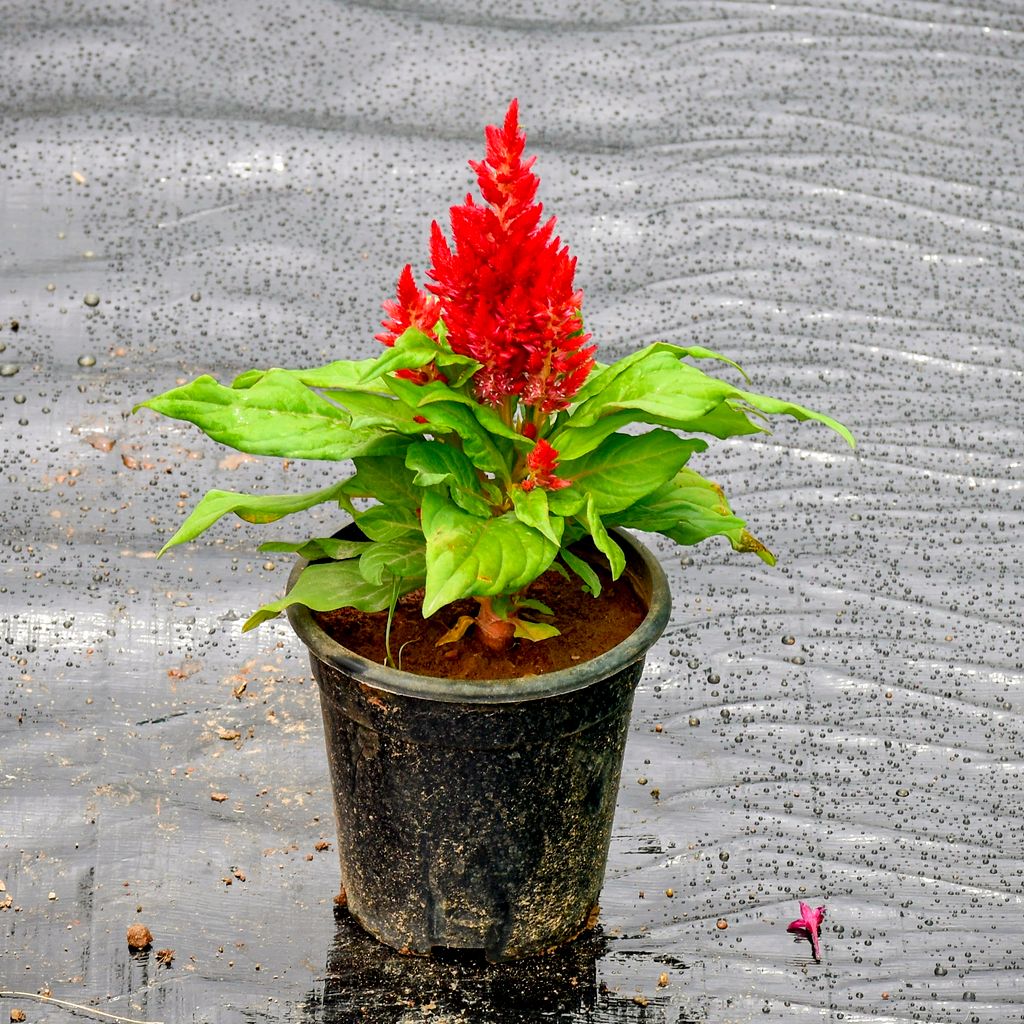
<point>477,814</point>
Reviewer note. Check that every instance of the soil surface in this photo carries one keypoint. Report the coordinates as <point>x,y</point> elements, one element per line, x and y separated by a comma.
<point>589,626</point>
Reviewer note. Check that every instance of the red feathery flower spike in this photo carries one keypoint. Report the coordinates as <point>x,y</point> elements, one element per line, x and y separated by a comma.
<point>506,286</point>
<point>541,464</point>
<point>413,308</point>
<point>410,308</point>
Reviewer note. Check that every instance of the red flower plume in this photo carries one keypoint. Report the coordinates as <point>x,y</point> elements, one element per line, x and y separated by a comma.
<point>413,308</point>
<point>506,287</point>
<point>541,464</point>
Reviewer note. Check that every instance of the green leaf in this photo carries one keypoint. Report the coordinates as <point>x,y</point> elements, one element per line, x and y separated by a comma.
<point>723,421</point>
<point>401,558</point>
<point>324,586</point>
<point>472,557</point>
<point>318,548</point>
<point>604,374</point>
<point>531,508</point>
<point>388,522</point>
<point>412,350</point>
<point>436,464</point>
<point>583,569</point>
<point>342,374</point>
<point>626,467</point>
<point>485,415</point>
<point>777,407</point>
<point>252,508</point>
<point>590,518</point>
<point>386,478</point>
<point>370,411</point>
<point>276,416</point>
<point>657,383</point>
<point>688,510</point>
<point>653,386</point>
<point>447,415</point>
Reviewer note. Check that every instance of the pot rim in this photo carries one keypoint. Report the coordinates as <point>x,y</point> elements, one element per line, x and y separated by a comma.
<point>640,560</point>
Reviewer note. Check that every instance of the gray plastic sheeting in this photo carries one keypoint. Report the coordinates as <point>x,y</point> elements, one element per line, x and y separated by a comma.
<point>830,195</point>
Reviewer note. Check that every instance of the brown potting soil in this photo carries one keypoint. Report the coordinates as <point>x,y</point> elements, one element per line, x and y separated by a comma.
<point>588,627</point>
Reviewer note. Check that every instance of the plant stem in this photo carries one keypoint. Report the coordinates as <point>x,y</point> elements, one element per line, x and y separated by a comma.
<point>495,632</point>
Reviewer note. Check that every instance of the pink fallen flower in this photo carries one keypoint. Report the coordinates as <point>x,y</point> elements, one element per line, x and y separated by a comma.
<point>809,924</point>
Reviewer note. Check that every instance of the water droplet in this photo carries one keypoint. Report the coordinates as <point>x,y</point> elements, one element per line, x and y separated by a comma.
<point>91,299</point>
<point>694,721</point>
<point>940,971</point>
<point>903,792</point>
<point>8,370</point>
<point>86,360</point>
<point>19,399</point>
<point>789,640</point>
<point>195,296</point>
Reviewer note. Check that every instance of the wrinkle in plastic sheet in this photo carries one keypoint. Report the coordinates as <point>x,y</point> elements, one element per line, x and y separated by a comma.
<point>830,194</point>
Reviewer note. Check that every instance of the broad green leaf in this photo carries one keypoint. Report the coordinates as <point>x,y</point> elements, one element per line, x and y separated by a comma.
<point>653,386</point>
<point>384,477</point>
<point>436,464</point>
<point>531,508</point>
<point>603,374</point>
<point>688,510</point>
<point>401,558</point>
<point>777,407</point>
<point>566,502</point>
<point>583,569</point>
<point>485,415</point>
<point>472,557</point>
<point>276,416</point>
<point>384,412</point>
<point>388,522</point>
<point>626,467</point>
<point>658,384</point>
<point>590,518</point>
<point>722,421</point>
<point>412,350</point>
<point>342,374</point>
<point>324,586</point>
<point>490,453</point>
<point>252,508</point>
<point>318,548</point>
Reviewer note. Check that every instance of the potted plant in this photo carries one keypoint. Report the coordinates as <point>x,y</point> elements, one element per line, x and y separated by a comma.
<point>479,626</point>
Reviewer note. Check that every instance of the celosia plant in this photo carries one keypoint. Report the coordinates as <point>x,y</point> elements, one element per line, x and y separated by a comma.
<point>486,436</point>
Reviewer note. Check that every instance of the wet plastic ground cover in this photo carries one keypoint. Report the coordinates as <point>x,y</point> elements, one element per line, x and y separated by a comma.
<point>829,195</point>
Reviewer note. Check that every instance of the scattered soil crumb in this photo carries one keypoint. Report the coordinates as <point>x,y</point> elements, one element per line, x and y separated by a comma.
<point>17,1015</point>
<point>101,442</point>
<point>165,957</point>
<point>229,734</point>
<point>139,937</point>
<point>218,798</point>
<point>322,845</point>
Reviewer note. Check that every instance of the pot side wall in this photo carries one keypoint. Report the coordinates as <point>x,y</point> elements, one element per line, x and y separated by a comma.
<point>474,826</point>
